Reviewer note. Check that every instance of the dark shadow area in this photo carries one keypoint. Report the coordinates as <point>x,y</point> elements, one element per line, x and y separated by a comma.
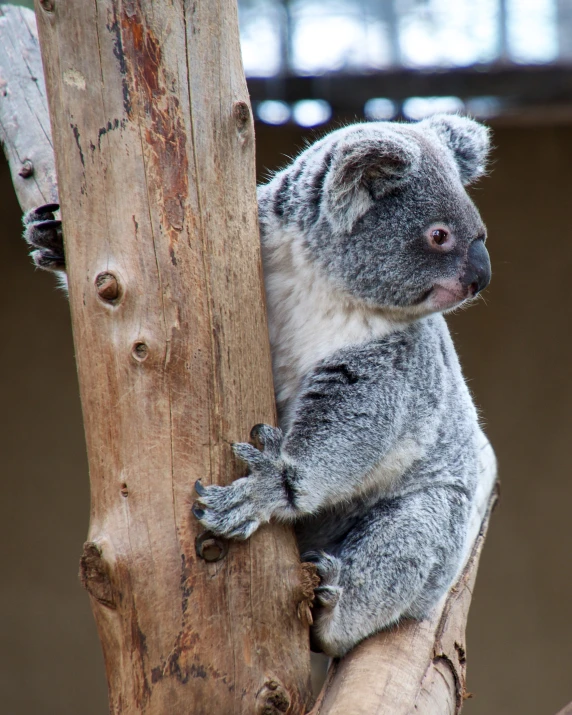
<point>50,661</point>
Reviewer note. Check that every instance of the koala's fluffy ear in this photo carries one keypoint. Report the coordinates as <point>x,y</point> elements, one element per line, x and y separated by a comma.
<point>364,169</point>
<point>468,140</point>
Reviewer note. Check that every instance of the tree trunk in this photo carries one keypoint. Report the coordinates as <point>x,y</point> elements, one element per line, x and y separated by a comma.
<point>154,145</point>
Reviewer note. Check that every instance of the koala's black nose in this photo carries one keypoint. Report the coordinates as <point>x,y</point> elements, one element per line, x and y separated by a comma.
<point>478,270</point>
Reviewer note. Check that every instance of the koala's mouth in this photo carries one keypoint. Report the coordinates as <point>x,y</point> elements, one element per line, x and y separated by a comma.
<point>423,297</point>
<point>444,297</point>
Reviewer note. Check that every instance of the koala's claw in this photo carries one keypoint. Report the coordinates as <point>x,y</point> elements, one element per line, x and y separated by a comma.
<point>327,596</point>
<point>43,232</point>
<point>197,511</point>
<point>327,566</point>
<point>47,224</point>
<point>46,208</point>
<point>269,438</point>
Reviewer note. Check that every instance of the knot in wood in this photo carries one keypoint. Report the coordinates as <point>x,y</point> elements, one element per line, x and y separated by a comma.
<point>241,114</point>
<point>209,547</point>
<point>94,574</point>
<point>140,351</point>
<point>27,169</point>
<point>107,287</point>
<point>272,698</point>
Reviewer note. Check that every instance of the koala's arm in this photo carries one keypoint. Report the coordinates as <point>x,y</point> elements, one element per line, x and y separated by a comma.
<point>346,420</point>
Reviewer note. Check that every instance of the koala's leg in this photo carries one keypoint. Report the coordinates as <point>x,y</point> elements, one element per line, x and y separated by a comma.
<point>395,563</point>
<point>43,232</point>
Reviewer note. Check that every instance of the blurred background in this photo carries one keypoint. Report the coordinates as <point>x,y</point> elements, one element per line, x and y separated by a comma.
<point>311,66</point>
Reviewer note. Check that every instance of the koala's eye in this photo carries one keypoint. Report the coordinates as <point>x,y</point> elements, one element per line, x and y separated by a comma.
<point>440,238</point>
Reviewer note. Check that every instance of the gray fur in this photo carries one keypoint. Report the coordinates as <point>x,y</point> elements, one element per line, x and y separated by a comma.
<point>43,233</point>
<point>376,462</point>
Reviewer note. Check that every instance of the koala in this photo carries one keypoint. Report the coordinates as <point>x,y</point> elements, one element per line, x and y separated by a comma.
<point>368,237</point>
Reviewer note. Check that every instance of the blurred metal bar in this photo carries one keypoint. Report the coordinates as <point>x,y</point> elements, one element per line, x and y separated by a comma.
<point>286,32</point>
<point>502,30</point>
<point>347,93</point>
<point>389,16</point>
<point>564,25</point>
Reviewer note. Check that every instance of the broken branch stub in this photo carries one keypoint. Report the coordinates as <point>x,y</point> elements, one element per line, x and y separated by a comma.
<point>25,133</point>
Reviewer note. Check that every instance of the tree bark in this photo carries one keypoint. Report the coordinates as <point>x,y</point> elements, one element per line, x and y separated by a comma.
<point>25,133</point>
<point>154,146</point>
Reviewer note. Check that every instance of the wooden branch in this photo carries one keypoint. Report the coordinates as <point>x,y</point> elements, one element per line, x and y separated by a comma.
<point>25,133</point>
<point>154,144</point>
<point>416,667</point>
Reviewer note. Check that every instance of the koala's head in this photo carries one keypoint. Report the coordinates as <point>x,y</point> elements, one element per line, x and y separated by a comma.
<point>392,223</point>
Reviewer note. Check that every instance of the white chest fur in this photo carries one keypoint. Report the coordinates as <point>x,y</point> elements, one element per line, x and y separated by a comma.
<point>309,318</point>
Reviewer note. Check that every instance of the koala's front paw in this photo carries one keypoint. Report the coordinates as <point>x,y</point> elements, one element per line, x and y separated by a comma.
<point>43,232</point>
<point>236,511</point>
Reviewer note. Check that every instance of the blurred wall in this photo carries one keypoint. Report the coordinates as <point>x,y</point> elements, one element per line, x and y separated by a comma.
<point>515,346</point>
<point>50,663</point>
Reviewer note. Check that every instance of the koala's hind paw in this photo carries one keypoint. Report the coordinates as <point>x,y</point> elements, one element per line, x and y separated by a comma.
<point>43,232</point>
<point>328,593</point>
